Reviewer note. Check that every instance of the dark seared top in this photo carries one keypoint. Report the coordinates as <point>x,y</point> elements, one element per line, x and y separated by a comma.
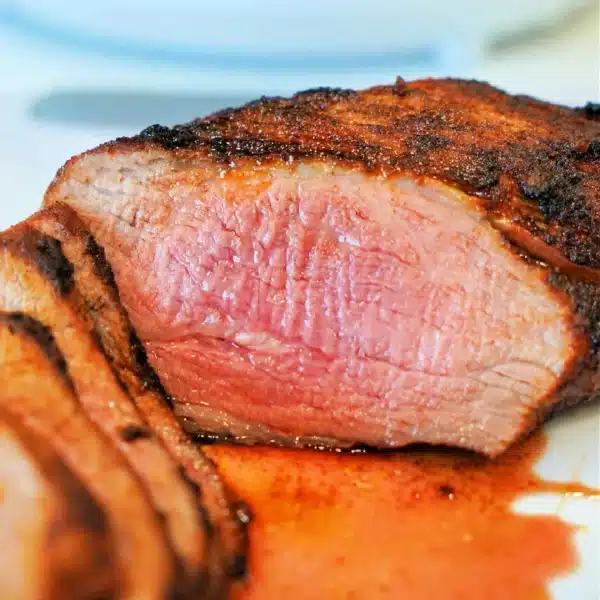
<point>464,133</point>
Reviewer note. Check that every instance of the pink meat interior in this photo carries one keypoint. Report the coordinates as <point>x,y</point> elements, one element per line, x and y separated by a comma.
<point>314,303</point>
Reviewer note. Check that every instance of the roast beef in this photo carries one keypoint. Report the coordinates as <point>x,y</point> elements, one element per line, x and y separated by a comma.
<point>104,398</point>
<point>37,387</point>
<point>56,541</point>
<point>410,263</point>
<point>94,283</point>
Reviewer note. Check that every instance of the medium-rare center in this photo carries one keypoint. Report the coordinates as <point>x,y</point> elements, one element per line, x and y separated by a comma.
<point>339,268</point>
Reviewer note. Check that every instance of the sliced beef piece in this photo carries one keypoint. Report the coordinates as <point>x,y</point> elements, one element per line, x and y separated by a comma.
<point>94,282</point>
<point>36,386</point>
<point>103,396</point>
<point>56,540</point>
<point>409,263</point>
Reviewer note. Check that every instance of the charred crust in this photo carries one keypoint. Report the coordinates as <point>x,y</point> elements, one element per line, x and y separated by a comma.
<point>56,265</point>
<point>224,149</point>
<point>132,433</point>
<point>102,268</point>
<point>447,491</point>
<point>585,296</point>
<point>46,254</point>
<point>476,176</point>
<point>206,438</point>
<point>240,511</point>
<point>399,88</point>
<point>553,191</point>
<point>18,322</point>
<point>53,263</point>
<point>169,138</point>
<point>197,493</point>
<point>238,567</point>
<point>581,386</point>
<point>324,94</point>
<point>146,373</point>
<point>429,143</point>
<point>577,248</point>
<point>593,150</point>
<point>101,264</point>
<point>463,133</point>
<point>591,110</point>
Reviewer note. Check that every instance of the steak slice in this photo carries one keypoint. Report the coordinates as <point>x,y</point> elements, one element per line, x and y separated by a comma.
<point>409,263</point>
<point>56,541</point>
<point>37,387</point>
<point>102,395</point>
<point>94,282</point>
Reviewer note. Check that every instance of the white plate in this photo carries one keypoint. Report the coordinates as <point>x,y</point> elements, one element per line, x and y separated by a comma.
<point>573,454</point>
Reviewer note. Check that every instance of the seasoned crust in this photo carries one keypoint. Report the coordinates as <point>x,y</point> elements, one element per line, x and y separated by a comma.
<point>46,253</point>
<point>591,110</point>
<point>19,322</point>
<point>465,133</point>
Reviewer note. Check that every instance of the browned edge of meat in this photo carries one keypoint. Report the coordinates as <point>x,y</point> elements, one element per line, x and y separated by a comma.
<point>533,167</point>
<point>36,385</point>
<point>93,278</point>
<point>113,410</point>
<point>56,532</point>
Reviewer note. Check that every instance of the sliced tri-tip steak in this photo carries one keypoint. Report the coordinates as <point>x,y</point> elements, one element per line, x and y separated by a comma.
<point>94,282</point>
<point>101,393</point>
<point>56,540</point>
<point>409,263</point>
<point>36,386</point>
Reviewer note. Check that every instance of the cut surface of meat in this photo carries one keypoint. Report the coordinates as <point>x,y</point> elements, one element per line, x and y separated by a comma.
<point>410,263</point>
<point>111,406</point>
<point>36,386</point>
<point>94,282</point>
<point>56,541</point>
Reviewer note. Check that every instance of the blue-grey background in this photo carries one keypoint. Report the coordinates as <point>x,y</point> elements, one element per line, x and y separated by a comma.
<point>73,73</point>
